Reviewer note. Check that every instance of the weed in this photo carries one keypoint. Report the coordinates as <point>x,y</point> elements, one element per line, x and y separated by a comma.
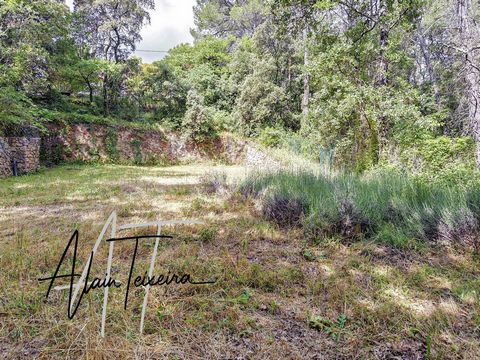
<point>244,297</point>
<point>332,328</point>
<point>273,307</point>
<point>309,255</point>
<point>208,234</point>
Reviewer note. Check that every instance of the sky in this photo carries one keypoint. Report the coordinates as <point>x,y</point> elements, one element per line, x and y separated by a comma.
<point>170,25</point>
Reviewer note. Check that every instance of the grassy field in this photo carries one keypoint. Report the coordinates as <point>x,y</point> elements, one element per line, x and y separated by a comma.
<point>277,295</point>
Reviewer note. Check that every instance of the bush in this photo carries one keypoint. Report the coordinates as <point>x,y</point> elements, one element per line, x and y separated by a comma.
<point>198,121</point>
<point>283,210</point>
<point>271,137</point>
<point>16,111</point>
<point>442,160</point>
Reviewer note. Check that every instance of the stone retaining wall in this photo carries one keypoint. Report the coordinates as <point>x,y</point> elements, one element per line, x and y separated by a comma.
<point>85,142</point>
<point>25,151</point>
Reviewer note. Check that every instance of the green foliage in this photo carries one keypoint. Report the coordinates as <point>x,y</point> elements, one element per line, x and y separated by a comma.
<point>137,151</point>
<point>208,234</point>
<point>244,297</point>
<point>111,141</point>
<point>228,18</point>
<point>198,120</point>
<point>271,137</point>
<point>309,255</point>
<point>332,328</point>
<point>260,102</point>
<point>110,28</point>
<point>354,117</point>
<point>30,33</point>
<point>47,115</point>
<point>443,161</point>
<point>15,109</point>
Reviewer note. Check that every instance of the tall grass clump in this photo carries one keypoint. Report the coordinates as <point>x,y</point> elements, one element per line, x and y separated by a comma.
<point>387,207</point>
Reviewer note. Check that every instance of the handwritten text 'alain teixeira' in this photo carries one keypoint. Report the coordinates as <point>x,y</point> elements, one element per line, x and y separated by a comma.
<point>85,285</point>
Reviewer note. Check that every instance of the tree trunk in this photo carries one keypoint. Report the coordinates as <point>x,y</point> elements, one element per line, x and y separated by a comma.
<point>470,42</point>
<point>383,63</point>
<point>382,77</point>
<point>428,63</point>
<point>473,81</point>
<point>89,85</point>
<point>105,95</point>
<point>306,76</point>
<point>90,89</point>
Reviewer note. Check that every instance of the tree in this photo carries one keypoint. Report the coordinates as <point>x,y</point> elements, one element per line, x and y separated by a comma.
<point>301,17</point>
<point>453,26</point>
<point>223,18</point>
<point>260,102</point>
<point>29,34</point>
<point>111,28</point>
<point>468,44</point>
<point>89,71</point>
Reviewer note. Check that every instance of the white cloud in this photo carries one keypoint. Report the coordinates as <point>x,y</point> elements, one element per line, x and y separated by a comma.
<point>170,25</point>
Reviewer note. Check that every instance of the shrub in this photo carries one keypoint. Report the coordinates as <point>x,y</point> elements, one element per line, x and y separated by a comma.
<point>283,210</point>
<point>198,120</point>
<point>16,111</point>
<point>459,225</point>
<point>270,136</point>
<point>443,161</point>
<point>352,223</point>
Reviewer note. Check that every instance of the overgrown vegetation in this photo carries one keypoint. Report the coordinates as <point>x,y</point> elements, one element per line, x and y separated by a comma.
<point>387,207</point>
<point>356,85</point>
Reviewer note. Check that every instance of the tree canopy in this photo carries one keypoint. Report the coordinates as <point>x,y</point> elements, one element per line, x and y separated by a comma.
<point>367,82</point>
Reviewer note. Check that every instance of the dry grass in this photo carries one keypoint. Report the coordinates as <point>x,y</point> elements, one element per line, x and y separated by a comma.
<point>276,295</point>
